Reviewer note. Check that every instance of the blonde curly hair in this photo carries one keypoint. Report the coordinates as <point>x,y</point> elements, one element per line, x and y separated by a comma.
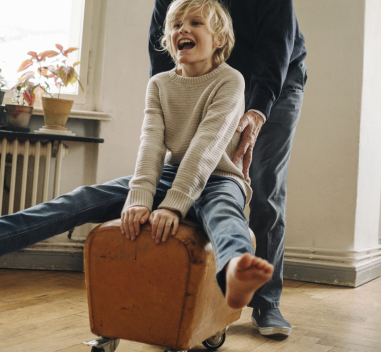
<point>217,19</point>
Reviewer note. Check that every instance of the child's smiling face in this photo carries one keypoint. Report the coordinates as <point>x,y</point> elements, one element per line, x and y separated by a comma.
<point>191,40</point>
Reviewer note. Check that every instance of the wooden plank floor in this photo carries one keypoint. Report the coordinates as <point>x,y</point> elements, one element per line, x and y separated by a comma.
<point>47,311</point>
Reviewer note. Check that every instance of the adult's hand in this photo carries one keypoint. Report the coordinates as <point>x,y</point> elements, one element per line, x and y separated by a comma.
<point>250,125</point>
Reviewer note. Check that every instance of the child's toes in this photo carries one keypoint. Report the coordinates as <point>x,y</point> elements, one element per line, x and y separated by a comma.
<point>261,264</point>
<point>244,262</point>
<point>257,262</point>
<point>269,268</point>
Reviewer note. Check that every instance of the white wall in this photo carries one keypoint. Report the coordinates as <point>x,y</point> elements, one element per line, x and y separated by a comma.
<point>125,77</point>
<point>333,218</point>
<point>322,184</point>
<point>369,177</point>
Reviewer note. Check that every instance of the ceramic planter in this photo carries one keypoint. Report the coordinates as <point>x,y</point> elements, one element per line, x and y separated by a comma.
<point>1,97</point>
<point>56,112</point>
<point>18,115</point>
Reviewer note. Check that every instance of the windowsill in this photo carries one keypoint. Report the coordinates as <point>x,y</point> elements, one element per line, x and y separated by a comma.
<point>81,114</point>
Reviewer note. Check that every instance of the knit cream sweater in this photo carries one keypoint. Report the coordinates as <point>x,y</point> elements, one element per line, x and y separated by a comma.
<point>190,123</point>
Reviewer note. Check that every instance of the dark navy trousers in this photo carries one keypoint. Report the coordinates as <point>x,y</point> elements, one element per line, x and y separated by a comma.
<point>268,173</point>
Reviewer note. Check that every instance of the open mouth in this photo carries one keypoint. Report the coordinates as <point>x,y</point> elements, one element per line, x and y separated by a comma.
<point>186,44</point>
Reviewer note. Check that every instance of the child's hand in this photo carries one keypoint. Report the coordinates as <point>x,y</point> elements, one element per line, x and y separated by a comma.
<point>132,217</point>
<point>162,221</point>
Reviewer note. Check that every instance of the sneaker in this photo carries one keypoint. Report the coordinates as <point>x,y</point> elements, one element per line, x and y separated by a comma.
<point>270,322</point>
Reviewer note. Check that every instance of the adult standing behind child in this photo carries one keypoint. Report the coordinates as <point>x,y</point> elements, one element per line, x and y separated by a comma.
<point>269,52</point>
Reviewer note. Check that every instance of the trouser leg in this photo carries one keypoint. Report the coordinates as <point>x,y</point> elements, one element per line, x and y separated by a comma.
<point>86,204</point>
<point>220,211</point>
<point>268,174</point>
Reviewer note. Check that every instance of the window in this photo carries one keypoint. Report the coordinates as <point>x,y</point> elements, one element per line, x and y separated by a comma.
<point>38,26</point>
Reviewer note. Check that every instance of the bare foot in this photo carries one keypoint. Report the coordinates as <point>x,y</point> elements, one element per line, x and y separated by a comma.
<point>245,275</point>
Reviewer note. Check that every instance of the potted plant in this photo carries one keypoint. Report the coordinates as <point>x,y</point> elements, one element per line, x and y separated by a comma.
<point>19,112</point>
<point>56,110</point>
<point>2,84</point>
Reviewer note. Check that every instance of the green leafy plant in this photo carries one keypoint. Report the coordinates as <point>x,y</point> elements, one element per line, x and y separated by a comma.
<point>62,74</point>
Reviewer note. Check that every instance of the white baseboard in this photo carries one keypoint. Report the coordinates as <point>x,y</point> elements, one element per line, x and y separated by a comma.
<point>343,268</point>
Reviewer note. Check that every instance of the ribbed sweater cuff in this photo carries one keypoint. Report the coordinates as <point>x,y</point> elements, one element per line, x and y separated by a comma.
<point>139,197</point>
<point>176,200</point>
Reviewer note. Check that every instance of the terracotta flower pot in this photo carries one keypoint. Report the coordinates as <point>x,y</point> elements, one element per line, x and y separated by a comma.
<point>56,112</point>
<point>18,115</point>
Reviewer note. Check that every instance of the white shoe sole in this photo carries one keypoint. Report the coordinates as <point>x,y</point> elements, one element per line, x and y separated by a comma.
<point>272,330</point>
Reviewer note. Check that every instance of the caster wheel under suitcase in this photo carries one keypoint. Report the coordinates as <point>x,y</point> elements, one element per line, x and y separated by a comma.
<point>103,344</point>
<point>95,349</point>
<point>216,341</point>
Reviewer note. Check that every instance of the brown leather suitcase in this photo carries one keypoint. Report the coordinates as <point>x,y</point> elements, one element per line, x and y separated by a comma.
<point>163,295</point>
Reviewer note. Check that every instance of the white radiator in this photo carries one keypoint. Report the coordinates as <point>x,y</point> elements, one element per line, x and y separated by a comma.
<point>39,151</point>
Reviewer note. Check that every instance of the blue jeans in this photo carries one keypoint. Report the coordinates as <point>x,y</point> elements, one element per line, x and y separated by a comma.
<point>268,173</point>
<point>219,210</point>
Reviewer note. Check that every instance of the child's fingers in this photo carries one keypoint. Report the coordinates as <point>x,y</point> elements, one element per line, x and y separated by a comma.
<point>145,216</point>
<point>137,224</point>
<point>154,224</point>
<point>121,224</point>
<point>175,226</point>
<point>131,229</point>
<point>167,230</point>
<point>125,226</point>
<point>160,230</point>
